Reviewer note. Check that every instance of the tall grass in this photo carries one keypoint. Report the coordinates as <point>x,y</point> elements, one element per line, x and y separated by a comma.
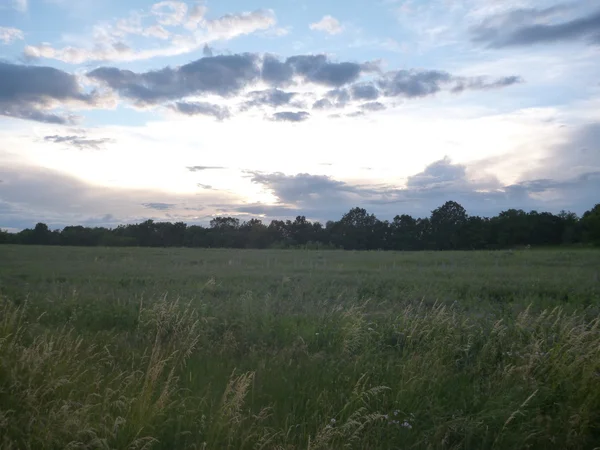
<point>283,370</point>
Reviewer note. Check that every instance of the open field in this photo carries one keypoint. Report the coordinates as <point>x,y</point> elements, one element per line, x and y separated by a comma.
<point>181,348</point>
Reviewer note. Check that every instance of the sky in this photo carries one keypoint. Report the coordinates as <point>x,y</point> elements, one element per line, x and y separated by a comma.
<point>117,112</point>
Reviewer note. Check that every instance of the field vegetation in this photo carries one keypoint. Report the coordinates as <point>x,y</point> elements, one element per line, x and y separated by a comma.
<point>171,348</point>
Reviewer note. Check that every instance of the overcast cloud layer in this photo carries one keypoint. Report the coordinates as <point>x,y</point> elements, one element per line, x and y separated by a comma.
<point>182,110</point>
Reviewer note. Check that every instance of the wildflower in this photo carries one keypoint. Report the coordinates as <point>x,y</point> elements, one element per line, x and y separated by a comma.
<point>396,412</point>
<point>332,421</point>
<point>407,425</point>
<point>385,416</point>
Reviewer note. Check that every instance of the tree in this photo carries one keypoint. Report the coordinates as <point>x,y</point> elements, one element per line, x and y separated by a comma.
<point>448,227</point>
<point>404,233</point>
<point>571,230</point>
<point>447,222</point>
<point>358,229</point>
<point>591,225</point>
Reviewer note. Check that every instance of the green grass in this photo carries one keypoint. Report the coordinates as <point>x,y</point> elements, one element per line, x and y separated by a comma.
<point>115,348</point>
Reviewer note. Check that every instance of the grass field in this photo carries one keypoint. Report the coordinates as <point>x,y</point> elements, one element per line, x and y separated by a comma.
<point>116,348</point>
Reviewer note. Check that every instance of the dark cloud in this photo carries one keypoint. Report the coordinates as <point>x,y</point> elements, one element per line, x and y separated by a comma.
<point>204,186</point>
<point>159,206</point>
<point>302,188</point>
<point>228,75</point>
<point>28,112</point>
<point>531,26</point>
<point>413,83</point>
<point>81,142</point>
<point>201,168</point>
<point>28,92</point>
<point>34,194</point>
<point>480,83</point>
<point>223,75</point>
<point>289,116</point>
<point>355,114</point>
<point>422,83</point>
<point>439,173</point>
<point>364,91</point>
<point>372,106</point>
<point>201,108</point>
<point>340,96</point>
<point>567,178</point>
<point>321,197</point>
<point>270,97</point>
<point>580,153</point>
<point>275,72</point>
<point>318,69</point>
<point>323,103</point>
<point>335,98</point>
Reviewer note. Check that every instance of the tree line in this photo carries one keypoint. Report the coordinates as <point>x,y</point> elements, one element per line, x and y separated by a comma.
<point>449,227</point>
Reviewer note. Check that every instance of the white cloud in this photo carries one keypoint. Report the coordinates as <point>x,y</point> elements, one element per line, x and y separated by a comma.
<point>8,35</point>
<point>195,16</point>
<point>232,25</point>
<point>21,5</point>
<point>157,31</point>
<point>170,13</point>
<point>327,24</point>
<point>109,44</point>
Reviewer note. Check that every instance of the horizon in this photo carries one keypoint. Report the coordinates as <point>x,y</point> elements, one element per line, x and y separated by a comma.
<point>120,112</point>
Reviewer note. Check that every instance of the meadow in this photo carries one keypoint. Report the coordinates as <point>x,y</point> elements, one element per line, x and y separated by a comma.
<point>146,348</point>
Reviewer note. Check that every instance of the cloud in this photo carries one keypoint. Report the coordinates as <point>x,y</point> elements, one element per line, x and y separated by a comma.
<point>322,197</point>
<point>364,91</point>
<point>109,42</point>
<point>202,108</point>
<point>169,12</point>
<point>33,194</point>
<point>157,31</point>
<point>231,25</point>
<point>195,16</point>
<point>303,188</point>
<point>270,97</point>
<point>335,98</point>
<point>323,103</point>
<point>327,24</point>
<point>372,106</point>
<point>9,35</point>
<point>422,83</point>
<point>564,176</point>
<point>227,75</point>
<point>523,27</point>
<point>318,69</point>
<point>201,168</point>
<point>289,116</point>
<point>222,75</point>
<point>28,92</point>
<point>438,174</point>
<point>413,83</point>
<point>275,72</point>
<point>480,83</point>
<point>21,5</point>
<point>80,142</point>
<point>159,206</point>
